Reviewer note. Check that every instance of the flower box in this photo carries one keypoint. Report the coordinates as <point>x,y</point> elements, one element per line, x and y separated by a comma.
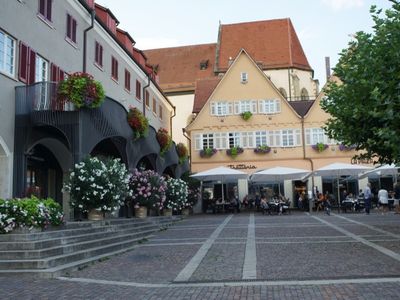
<point>262,149</point>
<point>246,115</point>
<point>208,152</point>
<point>320,147</point>
<point>138,122</point>
<point>343,147</point>
<point>182,152</point>
<point>234,151</point>
<point>164,140</point>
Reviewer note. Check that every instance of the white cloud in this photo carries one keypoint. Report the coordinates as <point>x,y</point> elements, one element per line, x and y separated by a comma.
<point>337,5</point>
<point>144,43</point>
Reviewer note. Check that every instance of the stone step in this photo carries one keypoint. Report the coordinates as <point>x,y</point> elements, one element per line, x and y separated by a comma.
<point>53,261</point>
<point>75,247</point>
<point>64,231</point>
<point>42,244</point>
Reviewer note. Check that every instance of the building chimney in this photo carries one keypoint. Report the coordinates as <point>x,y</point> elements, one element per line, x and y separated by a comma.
<point>328,67</point>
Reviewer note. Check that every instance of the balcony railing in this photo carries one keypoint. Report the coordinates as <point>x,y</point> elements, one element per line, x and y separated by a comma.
<point>42,96</point>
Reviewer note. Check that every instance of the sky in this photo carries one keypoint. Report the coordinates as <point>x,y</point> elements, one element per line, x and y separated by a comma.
<point>324,27</point>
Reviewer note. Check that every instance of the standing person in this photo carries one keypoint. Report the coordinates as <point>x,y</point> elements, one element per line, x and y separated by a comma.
<point>300,200</point>
<point>328,205</point>
<point>383,198</point>
<point>367,197</point>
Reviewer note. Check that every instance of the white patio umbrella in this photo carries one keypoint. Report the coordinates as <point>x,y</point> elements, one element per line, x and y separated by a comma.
<point>340,169</point>
<point>278,174</point>
<point>222,174</point>
<point>381,170</point>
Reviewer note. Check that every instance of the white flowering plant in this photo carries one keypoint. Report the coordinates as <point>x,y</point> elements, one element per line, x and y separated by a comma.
<point>29,212</point>
<point>148,189</point>
<point>177,194</point>
<point>98,184</point>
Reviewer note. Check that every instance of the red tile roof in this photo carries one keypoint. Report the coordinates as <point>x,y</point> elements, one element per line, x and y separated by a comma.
<point>274,43</point>
<point>204,89</point>
<point>179,67</point>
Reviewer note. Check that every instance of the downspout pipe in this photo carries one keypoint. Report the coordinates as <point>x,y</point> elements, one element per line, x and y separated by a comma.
<point>307,158</point>
<point>190,146</point>
<point>144,95</point>
<point>93,14</point>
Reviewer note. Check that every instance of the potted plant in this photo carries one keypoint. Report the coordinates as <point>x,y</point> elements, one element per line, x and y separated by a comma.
<point>164,140</point>
<point>98,186</point>
<point>182,152</point>
<point>262,149</point>
<point>246,115</point>
<point>81,90</point>
<point>208,152</point>
<point>148,191</point>
<point>320,147</point>
<point>138,122</point>
<point>234,151</point>
<point>176,195</point>
<point>343,147</point>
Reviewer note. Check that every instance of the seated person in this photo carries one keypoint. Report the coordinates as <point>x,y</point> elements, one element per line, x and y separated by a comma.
<point>264,205</point>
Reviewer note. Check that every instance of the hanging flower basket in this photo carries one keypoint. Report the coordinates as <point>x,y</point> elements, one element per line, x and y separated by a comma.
<point>164,140</point>
<point>246,115</point>
<point>208,152</point>
<point>81,90</point>
<point>320,147</point>
<point>343,147</point>
<point>262,149</point>
<point>138,122</point>
<point>234,151</point>
<point>182,152</point>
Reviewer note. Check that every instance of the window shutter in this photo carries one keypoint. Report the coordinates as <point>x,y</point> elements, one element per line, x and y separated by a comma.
<point>69,20</point>
<point>308,136</point>
<point>298,137</point>
<point>96,53</point>
<point>116,69</point>
<point>198,144</point>
<point>254,106</point>
<point>54,73</point>
<point>48,9</point>
<point>261,106</point>
<point>74,24</point>
<point>237,109</point>
<point>212,105</point>
<point>31,66</point>
<point>229,108</point>
<point>101,55</point>
<point>61,74</point>
<point>41,7</point>
<point>277,138</point>
<point>23,62</point>
<point>277,105</point>
<point>223,141</point>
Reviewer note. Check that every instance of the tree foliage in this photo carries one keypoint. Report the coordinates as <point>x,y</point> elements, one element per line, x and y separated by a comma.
<point>364,103</point>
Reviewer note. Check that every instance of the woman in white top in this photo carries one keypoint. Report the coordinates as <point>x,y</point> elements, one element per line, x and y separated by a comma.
<point>383,197</point>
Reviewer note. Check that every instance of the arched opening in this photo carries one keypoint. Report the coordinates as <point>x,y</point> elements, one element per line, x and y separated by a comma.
<point>283,92</point>
<point>169,171</point>
<point>146,163</point>
<point>304,94</point>
<point>44,175</point>
<point>110,148</point>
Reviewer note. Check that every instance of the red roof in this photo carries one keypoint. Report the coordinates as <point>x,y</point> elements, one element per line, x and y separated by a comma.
<point>204,89</point>
<point>274,43</point>
<point>180,67</point>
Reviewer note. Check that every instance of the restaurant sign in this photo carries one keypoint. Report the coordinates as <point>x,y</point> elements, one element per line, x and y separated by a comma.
<point>355,161</point>
<point>242,167</point>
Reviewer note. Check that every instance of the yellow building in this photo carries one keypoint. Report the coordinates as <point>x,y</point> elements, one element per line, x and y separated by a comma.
<point>285,132</point>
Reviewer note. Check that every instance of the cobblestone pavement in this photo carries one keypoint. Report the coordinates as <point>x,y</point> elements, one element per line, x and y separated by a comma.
<point>242,256</point>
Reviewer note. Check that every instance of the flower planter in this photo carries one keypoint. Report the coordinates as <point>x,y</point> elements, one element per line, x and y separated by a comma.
<point>141,212</point>
<point>95,215</point>
<point>167,212</point>
<point>185,211</point>
<point>26,230</point>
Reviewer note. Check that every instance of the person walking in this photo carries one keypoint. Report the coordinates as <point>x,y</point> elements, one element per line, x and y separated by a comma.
<point>383,198</point>
<point>367,197</point>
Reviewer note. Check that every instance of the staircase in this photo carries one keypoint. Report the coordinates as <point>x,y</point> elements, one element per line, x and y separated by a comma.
<point>54,252</point>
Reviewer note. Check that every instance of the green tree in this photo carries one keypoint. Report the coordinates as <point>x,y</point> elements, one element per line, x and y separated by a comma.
<point>364,103</point>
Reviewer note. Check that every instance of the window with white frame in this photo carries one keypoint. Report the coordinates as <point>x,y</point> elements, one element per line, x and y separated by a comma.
<point>247,139</point>
<point>274,137</point>
<point>245,105</point>
<point>317,135</point>
<point>221,108</point>
<point>234,139</point>
<point>244,77</point>
<point>290,137</point>
<point>269,106</point>
<point>7,54</point>
<point>261,138</point>
<point>198,144</point>
<point>41,69</point>
<point>208,140</point>
<point>220,140</point>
